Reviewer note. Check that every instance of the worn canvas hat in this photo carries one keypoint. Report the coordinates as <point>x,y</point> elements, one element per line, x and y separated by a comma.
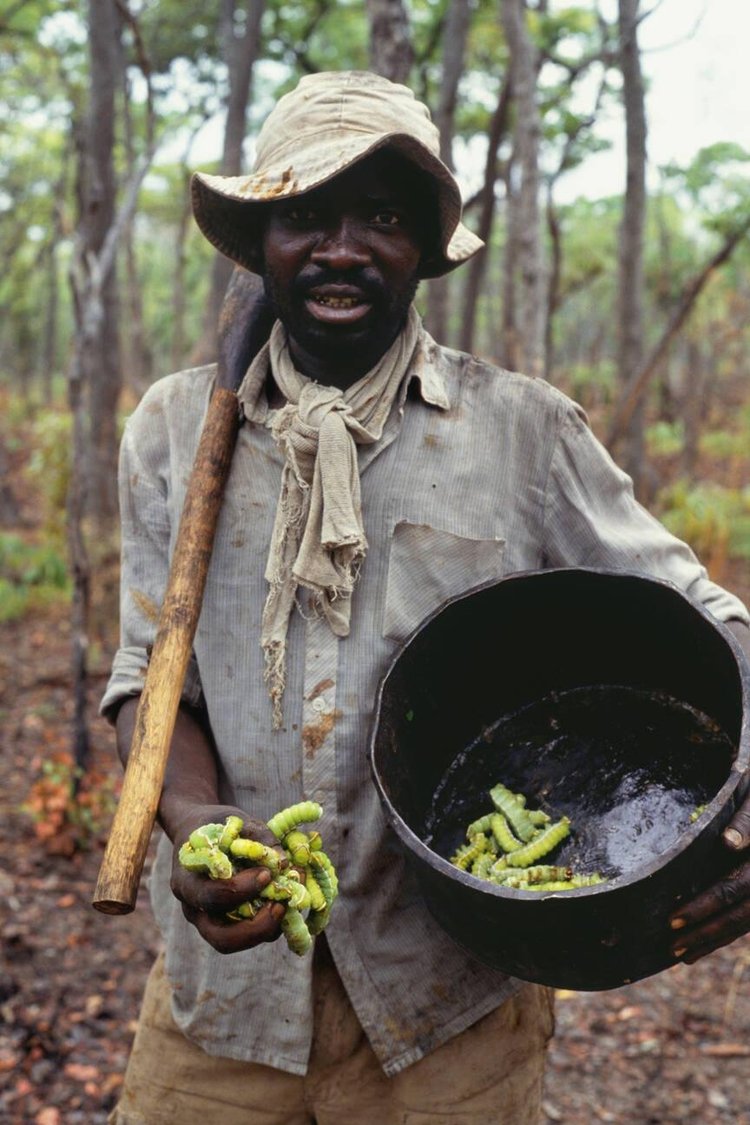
<point>324,126</point>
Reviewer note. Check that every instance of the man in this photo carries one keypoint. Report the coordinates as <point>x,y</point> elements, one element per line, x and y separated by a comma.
<point>376,475</point>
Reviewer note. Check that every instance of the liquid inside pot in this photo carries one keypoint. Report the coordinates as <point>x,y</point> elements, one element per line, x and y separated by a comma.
<point>628,767</point>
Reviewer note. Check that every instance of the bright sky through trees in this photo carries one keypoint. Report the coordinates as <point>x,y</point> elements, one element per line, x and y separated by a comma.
<point>694,56</point>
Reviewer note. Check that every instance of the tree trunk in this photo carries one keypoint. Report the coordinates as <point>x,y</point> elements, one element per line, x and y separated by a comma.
<point>509,346</point>
<point>94,373</point>
<point>455,32</point>
<point>475,269</point>
<point>177,347</point>
<point>79,561</point>
<point>525,201</point>
<point>101,376</point>
<point>553,292</point>
<point>240,34</point>
<point>391,49</point>
<point>693,406</point>
<point>49,347</point>
<point>136,359</point>
<point>554,230</point>
<point>52,267</point>
<point>10,509</point>
<point>93,377</point>
<point>631,274</point>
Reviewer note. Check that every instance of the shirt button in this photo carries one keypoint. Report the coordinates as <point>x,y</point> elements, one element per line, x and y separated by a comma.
<point>319,703</point>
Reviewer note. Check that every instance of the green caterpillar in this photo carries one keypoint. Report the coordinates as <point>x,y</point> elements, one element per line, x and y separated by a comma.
<point>243,911</point>
<point>501,832</point>
<point>297,845</point>
<point>543,873</point>
<point>286,888</point>
<point>467,853</point>
<point>218,850</point>
<point>255,852</point>
<point>498,869</point>
<point>325,875</point>
<point>482,864</point>
<point>548,839</point>
<point>483,825</point>
<point>574,883</point>
<point>287,820</point>
<point>296,931</point>
<point>231,831</point>
<point>505,845</point>
<point>318,900</point>
<point>208,861</point>
<point>512,808</point>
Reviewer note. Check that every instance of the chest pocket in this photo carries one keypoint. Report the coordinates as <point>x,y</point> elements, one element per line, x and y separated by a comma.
<point>427,566</point>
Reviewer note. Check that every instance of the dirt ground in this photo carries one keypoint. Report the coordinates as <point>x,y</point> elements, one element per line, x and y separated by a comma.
<point>670,1050</point>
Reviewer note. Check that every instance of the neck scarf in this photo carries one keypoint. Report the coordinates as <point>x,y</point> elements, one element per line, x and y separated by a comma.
<point>318,540</point>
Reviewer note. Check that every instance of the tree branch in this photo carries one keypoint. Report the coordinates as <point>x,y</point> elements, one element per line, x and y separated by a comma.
<point>638,385</point>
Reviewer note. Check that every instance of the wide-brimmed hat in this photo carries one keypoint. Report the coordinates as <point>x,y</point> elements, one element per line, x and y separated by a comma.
<point>324,126</point>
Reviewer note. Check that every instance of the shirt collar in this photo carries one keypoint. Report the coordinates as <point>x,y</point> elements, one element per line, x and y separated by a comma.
<point>253,401</point>
<point>425,373</point>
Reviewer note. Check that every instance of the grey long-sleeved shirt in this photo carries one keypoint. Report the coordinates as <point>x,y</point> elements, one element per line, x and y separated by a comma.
<point>480,473</point>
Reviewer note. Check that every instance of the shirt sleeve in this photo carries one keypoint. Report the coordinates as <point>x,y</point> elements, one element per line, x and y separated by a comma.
<point>593,519</point>
<point>146,533</point>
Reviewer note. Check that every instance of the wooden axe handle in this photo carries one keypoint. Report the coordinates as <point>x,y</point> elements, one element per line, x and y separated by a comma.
<point>244,326</point>
<point>125,854</point>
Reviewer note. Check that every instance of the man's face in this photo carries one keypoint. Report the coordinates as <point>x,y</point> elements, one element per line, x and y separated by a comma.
<point>342,266</point>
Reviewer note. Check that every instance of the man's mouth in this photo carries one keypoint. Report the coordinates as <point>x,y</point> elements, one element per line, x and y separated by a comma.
<point>337,305</point>
<point>338,302</point>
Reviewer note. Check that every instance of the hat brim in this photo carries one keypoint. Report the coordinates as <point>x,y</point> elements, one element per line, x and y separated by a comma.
<point>229,209</point>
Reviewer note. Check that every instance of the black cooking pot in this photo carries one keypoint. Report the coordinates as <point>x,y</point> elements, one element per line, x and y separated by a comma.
<point>611,698</point>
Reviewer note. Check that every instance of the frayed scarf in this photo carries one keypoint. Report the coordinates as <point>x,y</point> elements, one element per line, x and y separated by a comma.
<point>318,540</point>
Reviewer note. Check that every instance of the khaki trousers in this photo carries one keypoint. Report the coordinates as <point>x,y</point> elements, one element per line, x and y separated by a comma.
<point>491,1074</point>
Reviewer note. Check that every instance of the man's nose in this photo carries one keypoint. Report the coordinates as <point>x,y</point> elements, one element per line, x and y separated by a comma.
<point>342,246</point>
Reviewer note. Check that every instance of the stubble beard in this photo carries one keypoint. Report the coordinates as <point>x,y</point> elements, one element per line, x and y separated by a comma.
<point>363,346</point>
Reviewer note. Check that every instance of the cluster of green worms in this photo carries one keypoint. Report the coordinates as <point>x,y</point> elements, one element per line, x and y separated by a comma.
<point>505,844</point>
<point>218,850</point>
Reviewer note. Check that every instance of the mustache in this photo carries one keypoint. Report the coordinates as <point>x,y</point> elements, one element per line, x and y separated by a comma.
<point>365,279</point>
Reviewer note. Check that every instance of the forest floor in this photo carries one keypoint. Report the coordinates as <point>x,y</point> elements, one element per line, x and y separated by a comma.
<point>670,1050</point>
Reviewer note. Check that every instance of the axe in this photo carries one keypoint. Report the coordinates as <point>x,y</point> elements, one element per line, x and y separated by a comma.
<point>244,325</point>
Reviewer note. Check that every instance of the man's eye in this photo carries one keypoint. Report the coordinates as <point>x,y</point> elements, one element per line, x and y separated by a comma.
<point>301,214</point>
<point>387,217</point>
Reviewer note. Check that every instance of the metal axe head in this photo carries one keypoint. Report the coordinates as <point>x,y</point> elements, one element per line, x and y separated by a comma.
<point>245,322</point>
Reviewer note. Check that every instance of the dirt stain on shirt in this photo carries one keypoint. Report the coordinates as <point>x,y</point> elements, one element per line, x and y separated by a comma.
<point>145,604</point>
<point>315,734</point>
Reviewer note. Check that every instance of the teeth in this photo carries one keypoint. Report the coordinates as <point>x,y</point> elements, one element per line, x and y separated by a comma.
<point>338,302</point>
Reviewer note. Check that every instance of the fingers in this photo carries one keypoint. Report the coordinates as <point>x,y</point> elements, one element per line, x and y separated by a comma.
<point>218,896</point>
<point>693,945</point>
<point>720,914</point>
<point>229,936</point>
<point>713,919</point>
<point>737,833</point>
<point>207,902</point>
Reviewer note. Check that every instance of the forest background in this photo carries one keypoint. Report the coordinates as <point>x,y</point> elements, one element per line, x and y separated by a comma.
<point>635,300</point>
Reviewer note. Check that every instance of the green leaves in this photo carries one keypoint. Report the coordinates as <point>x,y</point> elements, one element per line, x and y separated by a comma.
<point>717,183</point>
<point>713,519</point>
<point>30,574</point>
